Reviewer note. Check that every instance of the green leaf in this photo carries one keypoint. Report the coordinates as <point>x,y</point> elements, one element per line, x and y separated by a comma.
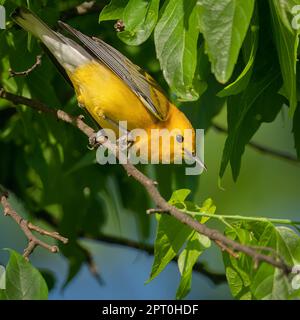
<point>139,17</point>
<point>23,281</point>
<point>259,103</point>
<point>3,295</point>
<point>235,282</point>
<point>224,25</point>
<point>288,245</point>
<point>49,278</point>
<point>249,50</point>
<point>113,11</point>
<point>268,282</point>
<point>179,196</point>
<point>207,207</point>
<point>200,115</point>
<point>196,245</point>
<point>175,37</point>
<point>170,237</point>
<point>2,277</point>
<point>265,282</point>
<point>287,42</point>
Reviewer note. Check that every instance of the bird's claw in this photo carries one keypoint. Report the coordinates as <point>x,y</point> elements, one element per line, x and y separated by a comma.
<point>92,142</point>
<point>97,139</point>
<point>101,136</point>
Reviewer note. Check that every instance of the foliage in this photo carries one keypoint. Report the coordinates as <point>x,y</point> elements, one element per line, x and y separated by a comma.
<point>170,238</point>
<point>241,54</point>
<point>22,280</point>
<point>265,282</point>
<point>238,41</point>
<point>244,279</point>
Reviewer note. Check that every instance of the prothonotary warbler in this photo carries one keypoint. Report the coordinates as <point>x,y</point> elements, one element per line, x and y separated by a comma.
<point>111,88</point>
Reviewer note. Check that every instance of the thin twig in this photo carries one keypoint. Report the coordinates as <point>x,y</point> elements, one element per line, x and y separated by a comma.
<point>235,217</point>
<point>88,257</point>
<point>263,149</point>
<point>155,210</point>
<point>27,227</point>
<point>227,249</point>
<point>151,187</point>
<point>43,232</point>
<point>38,62</point>
<point>87,7</point>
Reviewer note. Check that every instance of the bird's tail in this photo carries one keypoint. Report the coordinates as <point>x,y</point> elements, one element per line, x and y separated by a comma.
<point>67,52</point>
<point>31,23</point>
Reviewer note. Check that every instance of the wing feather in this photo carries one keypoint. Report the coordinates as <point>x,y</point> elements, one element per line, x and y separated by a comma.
<point>142,84</point>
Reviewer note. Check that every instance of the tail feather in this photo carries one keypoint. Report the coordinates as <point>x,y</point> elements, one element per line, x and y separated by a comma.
<point>31,23</point>
<point>67,52</point>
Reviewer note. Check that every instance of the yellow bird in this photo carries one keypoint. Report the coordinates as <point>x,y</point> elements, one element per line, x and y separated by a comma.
<point>110,87</point>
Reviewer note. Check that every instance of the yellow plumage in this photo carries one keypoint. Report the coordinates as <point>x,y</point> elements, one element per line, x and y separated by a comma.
<point>111,87</point>
<point>104,94</point>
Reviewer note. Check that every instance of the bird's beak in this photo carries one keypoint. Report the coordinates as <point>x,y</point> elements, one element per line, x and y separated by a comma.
<point>194,157</point>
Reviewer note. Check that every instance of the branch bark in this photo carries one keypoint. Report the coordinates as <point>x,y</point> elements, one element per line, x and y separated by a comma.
<point>87,7</point>
<point>38,62</point>
<point>28,227</point>
<point>151,187</point>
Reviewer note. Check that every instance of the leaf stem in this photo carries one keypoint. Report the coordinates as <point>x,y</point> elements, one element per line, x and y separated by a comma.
<point>243,218</point>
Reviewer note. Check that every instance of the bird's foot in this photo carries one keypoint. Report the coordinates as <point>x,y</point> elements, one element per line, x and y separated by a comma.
<point>97,139</point>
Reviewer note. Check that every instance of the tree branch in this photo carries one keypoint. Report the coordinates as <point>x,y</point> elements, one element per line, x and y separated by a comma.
<point>151,188</point>
<point>28,227</point>
<point>263,149</point>
<point>84,8</point>
<point>38,62</point>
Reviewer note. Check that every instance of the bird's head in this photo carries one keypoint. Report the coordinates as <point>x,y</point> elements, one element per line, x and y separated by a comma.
<point>182,137</point>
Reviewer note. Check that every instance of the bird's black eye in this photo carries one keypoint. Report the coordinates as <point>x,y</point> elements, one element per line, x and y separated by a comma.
<point>179,138</point>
